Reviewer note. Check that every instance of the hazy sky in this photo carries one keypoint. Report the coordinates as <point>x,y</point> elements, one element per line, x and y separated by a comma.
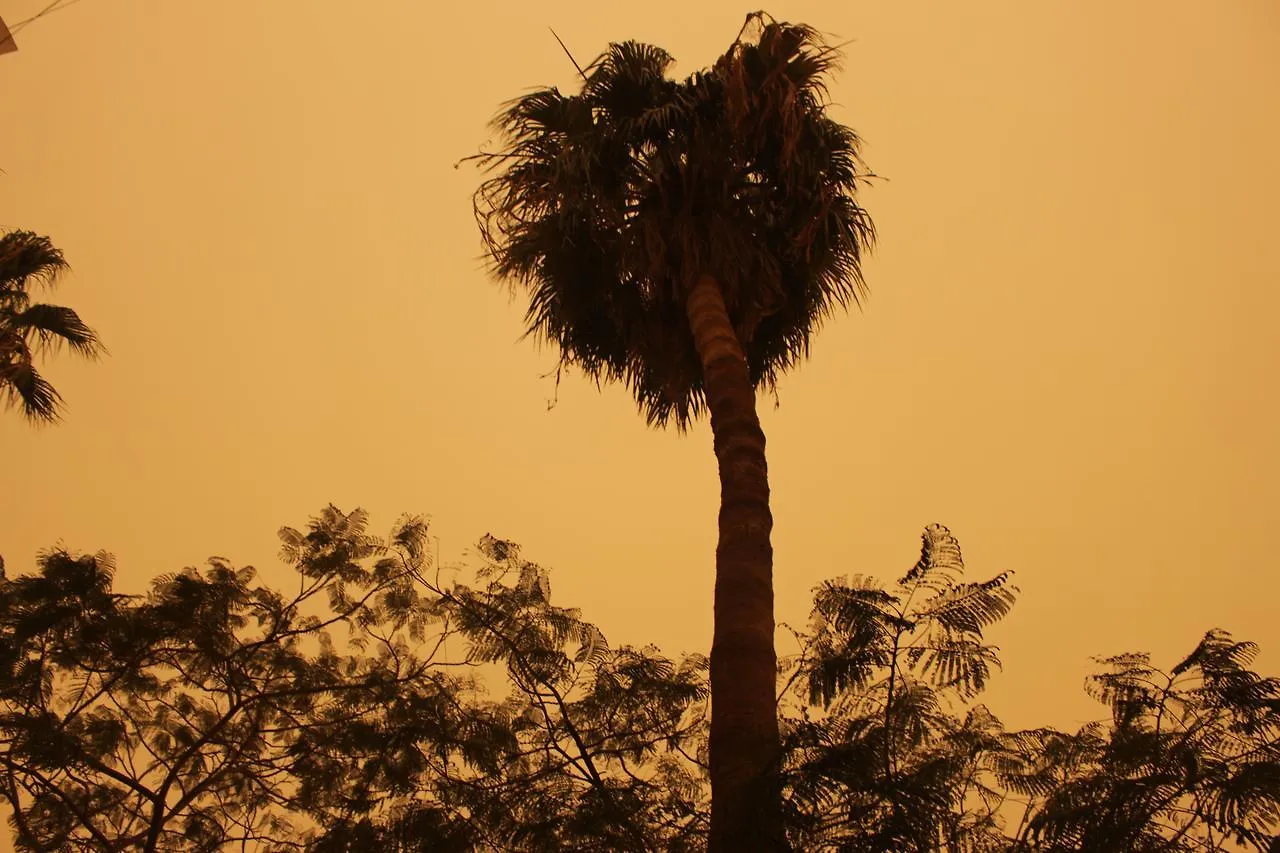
<point>1066,356</point>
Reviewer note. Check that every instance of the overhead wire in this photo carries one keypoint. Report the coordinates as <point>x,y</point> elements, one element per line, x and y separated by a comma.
<point>55,6</point>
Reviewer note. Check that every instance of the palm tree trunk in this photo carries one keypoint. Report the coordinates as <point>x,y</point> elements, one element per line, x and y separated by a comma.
<point>746,810</point>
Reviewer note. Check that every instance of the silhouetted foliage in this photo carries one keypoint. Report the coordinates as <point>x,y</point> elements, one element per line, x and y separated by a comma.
<point>590,748</point>
<point>215,710</point>
<point>607,204</point>
<point>1190,760</point>
<point>353,715</point>
<point>687,238</point>
<point>886,763</point>
<point>27,328</point>
<point>173,720</point>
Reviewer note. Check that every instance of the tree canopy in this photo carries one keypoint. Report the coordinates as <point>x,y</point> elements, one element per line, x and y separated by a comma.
<point>381,705</point>
<point>606,204</point>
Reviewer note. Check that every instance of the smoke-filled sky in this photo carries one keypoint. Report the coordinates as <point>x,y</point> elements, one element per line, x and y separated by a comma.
<point>1068,355</point>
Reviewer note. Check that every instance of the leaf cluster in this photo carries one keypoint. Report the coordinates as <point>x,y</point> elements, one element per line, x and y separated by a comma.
<point>881,754</point>
<point>1190,761</point>
<point>173,720</point>
<point>607,204</point>
<point>28,328</point>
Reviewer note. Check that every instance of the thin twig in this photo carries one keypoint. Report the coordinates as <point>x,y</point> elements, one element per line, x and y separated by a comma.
<point>570,55</point>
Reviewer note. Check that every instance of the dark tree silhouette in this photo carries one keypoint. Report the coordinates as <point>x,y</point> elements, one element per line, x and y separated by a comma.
<point>1189,761</point>
<point>214,711</point>
<point>893,761</point>
<point>687,239</point>
<point>27,328</point>
<point>591,748</point>
<point>171,721</point>
<point>353,715</point>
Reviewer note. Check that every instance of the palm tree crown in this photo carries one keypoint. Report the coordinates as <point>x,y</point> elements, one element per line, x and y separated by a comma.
<point>610,203</point>
<point>27,328</point>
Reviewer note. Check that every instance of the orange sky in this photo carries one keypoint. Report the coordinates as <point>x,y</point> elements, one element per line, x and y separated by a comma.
<point>1065,356</point>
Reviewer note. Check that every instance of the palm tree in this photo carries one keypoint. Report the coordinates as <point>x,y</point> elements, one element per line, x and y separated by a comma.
<point>27,328</point>
<point>687,239</point>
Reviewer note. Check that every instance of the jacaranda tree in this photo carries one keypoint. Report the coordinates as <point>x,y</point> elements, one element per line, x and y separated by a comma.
<point>348,715</point>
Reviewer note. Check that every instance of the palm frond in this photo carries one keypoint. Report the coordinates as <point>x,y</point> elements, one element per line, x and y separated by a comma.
<point>27,257</point>
<point>53,325</point>
<point>24,387</point>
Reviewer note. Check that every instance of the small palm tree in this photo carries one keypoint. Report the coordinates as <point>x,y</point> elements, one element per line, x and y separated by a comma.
<point>687,239</point>
<point>27,328</point>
